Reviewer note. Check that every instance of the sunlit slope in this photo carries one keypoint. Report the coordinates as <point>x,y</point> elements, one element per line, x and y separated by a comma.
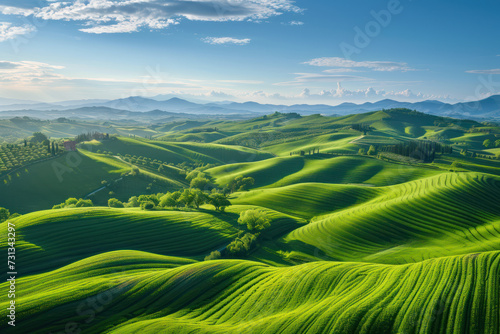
<point>172,152</point>
<point>120,293</point>
<point>283,171</point>
<point>308,199</point>
<point>438,216</point>
<point>52,238</point>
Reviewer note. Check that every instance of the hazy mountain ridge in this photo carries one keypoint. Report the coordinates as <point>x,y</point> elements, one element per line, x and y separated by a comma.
<point>486,109</point>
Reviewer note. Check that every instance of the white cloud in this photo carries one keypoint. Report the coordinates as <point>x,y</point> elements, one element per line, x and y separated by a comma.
<point>23,72</point>
<point>338,62</point>
<point>226,40</point>
<point>492,71</point>
<point>8,31</point>
<point>116,16</point>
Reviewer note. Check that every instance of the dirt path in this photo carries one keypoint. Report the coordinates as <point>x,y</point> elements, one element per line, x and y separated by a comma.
<point>355,140</point>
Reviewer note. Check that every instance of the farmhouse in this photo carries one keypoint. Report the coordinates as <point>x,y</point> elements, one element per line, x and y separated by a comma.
<point>70,145</point>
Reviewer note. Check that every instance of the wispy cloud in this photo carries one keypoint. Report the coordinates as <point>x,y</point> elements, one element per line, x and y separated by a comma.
<point>8,31</point>
<point>492,71</point>
<point>118,16</point>
<point>385,66</point>
<point>318,77</point>
<point>245,82</point>
<point>226,40</point>
<point>294,23</point>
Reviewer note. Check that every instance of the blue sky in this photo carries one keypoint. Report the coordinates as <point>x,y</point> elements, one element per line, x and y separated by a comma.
<point>269,51</point>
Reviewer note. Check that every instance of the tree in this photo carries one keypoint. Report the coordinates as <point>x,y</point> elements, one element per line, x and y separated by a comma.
<point>241,246</point>
<point>361,151</point>
<point>38,137</point>
<point>4,214</point>
<point>213,256</point>
<point>199,197</point>
<point>487,143</point>
<point>219,201</point>
<point>114,203</point>
<point>133,202</point>
<point>161,169</point>
<point>240,183</point>
<point>167,200</point>
<point>186,198</point>
<point>84,203</point>
<point>254,220</point>
<point>372,150</point>
<point>200,183</point>
<point>70,201</point>
<point>497,143</point>
<point>194,174</point>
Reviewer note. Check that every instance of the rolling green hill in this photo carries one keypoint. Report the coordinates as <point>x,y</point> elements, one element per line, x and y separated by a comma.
<point>285,171</point>
<point>449,214</point>
<point>179,152</point>
<point>90,231</point>
<point>131,292</point>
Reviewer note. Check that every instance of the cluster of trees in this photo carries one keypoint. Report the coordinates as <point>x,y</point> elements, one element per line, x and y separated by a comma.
<point>187,198</point>
<point>371,151</point>
<point>91,136</point>
<point>365,128</point>
<point>200,130</point>
<point>303,153</point>
<point>74,203</point>
<point>418,149</point>
<point>490,144</point>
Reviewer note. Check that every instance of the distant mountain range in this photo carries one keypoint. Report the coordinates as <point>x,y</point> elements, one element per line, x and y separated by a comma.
<point>486,109</point>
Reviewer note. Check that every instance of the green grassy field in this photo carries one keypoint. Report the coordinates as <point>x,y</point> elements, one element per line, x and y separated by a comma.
<point>357,243</point>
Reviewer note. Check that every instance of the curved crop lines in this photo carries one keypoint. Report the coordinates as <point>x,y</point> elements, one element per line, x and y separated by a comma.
<point>456,294</point>
<point>438,216</point>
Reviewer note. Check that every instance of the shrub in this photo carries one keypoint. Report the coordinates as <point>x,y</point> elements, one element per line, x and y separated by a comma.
<point>114,203</point>
<point>84,203</point>
<point>242,246</point>
<point>213,256</point>
<point>149,205</point>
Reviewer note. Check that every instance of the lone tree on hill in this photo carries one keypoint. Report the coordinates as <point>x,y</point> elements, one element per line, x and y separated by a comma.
<point>254,220</point>
<point>219,201</point>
